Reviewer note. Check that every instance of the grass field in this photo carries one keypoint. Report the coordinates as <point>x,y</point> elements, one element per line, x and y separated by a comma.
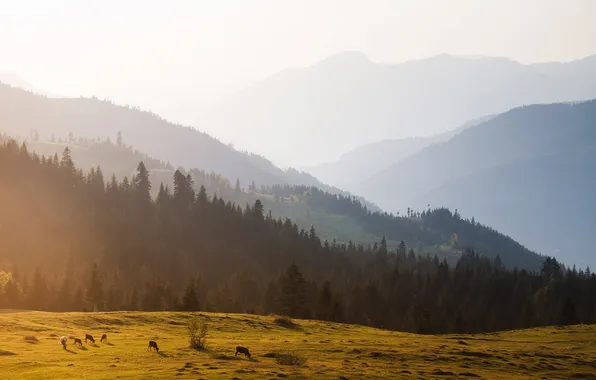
<point>330,351</point>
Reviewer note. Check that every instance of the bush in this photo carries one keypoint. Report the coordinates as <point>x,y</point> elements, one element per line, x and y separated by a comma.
<point>197,333</point>
<point>284,321</point>
<point>289,358</point>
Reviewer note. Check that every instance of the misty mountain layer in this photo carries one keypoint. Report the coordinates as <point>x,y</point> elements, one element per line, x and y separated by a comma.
<point>25,114</point>
<point>529,172</point>
<point>314,114</point>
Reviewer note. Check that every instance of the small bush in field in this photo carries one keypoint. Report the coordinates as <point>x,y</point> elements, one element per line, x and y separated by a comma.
<point>197,333</point>
<point>289,358</point>
<point>284,321</point>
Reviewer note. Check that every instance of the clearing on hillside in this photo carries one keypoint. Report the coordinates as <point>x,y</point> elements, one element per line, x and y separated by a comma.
<point>312,349</point>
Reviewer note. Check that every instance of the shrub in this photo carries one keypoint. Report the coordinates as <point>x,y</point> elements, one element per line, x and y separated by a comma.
<point>284,321</point>
<point>197,333</point>
<point>289,358</point>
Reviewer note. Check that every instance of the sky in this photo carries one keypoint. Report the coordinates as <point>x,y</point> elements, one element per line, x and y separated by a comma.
<point>179,57</point>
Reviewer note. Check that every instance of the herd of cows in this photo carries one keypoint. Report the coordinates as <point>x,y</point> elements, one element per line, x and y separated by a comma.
<point>152,344</point>
<point>78,342</point>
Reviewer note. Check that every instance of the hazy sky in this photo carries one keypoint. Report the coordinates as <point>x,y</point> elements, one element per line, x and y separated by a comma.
<point>176,57</point>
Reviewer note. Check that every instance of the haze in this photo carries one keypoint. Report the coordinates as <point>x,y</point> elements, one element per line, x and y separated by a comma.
<point>180,59</point>
<point>273,174</point>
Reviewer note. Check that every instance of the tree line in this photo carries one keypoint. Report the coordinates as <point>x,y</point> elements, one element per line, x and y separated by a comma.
<point>428,230</point>
<point>71,240</point>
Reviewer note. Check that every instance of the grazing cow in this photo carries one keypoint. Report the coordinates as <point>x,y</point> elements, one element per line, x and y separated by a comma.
<point>89,337</point>
<point>242,350</point>
<point>78,341</point>
<point>63,341</point>
<point>152,344</point>
<point>104,338</point>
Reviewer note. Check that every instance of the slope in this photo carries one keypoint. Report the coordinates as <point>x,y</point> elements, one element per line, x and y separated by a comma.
<point>22,112</point>
<point>515,161</point>
<point>364,161</point>
<point>315,114</point>
<point>329,350</point>
<point>336,217</point>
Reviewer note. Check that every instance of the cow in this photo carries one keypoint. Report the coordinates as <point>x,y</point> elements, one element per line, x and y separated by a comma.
<point>89,337</point>
<point>78,341</point>
<point>152,344</point>
<point>242,350</point>
<point>63,341</point>
<point>104,338</point>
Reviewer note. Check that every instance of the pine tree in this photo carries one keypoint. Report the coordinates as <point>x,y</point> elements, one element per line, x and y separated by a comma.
<point>324,302</point>
<point>64,300</point>
<point>258,210</point>
<point>12,294</point>
<point>78,304</point>
<point>38,293</point>
<point>270,299</point>
<point>95,289</point>
<point>190,301</point>
<point>142,185</point>
<point>568,314</point>
<point>292,293</point>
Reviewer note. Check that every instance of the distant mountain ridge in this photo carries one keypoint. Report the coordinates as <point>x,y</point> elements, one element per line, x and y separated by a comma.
<point>366,160</point>
<point>524,172</point>
<point>15,80</point>
<point>22,112</point>
<point>323,110</point>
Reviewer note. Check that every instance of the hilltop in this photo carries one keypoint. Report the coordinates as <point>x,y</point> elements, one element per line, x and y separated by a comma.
<point>328,350</point>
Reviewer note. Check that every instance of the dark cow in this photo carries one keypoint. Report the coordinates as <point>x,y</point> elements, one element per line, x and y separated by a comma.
<point>89,337</point>
<point>242,350</point>
<point>152,344</point>
<point>104,338</point>
<point>77,341</point>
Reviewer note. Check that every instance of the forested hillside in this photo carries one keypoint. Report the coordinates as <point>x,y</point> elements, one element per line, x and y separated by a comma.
<point>342,218</point>
<point>35,117</point>
<point>107,245</point>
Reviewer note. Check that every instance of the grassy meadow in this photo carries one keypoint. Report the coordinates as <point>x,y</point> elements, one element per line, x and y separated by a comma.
<point>30,349</point>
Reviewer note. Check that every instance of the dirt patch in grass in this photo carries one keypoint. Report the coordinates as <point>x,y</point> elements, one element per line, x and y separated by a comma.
<point>380,355</point>
<point>468,374</point>
<point>475,354</point>
<point>30,339</point>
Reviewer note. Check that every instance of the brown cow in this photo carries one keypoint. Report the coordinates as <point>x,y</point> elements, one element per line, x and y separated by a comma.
<point>242,350</point>
<point>152,344</point>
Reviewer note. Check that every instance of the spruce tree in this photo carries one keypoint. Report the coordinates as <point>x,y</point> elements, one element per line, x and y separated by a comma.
<point>292,293</point>
<point>190,301</point>
<point>95,289</point>
<point>142,185</point>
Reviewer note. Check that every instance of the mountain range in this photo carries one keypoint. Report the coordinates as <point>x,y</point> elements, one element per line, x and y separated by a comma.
<point>359,163</point>
<point>314,114</point>
<point>22,114</point>
<point>529,172</point>
<point>526,167</point>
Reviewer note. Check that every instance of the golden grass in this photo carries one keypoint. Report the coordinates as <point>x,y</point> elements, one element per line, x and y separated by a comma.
<point>329,350</point>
